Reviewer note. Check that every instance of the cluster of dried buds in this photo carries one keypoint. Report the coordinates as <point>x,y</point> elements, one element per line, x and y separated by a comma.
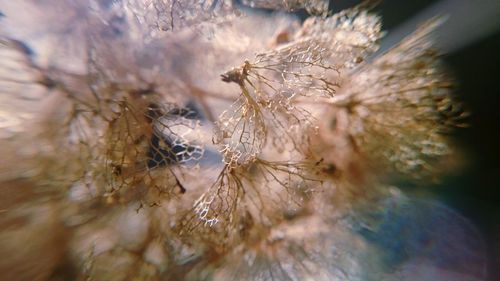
<point>207,140</point>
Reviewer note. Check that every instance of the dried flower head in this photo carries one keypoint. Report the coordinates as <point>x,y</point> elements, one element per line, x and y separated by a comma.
<point>171,140</point>
<point>397,110</point>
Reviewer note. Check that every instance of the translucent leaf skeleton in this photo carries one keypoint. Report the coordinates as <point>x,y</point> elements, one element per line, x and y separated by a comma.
<point>215,140</point>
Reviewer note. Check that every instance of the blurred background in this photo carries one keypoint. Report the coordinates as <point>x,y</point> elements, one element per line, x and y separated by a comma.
<point>470,41</point>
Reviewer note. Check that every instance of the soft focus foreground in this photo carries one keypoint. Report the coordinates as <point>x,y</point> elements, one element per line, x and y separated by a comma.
<point>201,140</point>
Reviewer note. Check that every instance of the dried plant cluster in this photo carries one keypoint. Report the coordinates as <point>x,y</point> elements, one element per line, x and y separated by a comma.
<point>193,140</point>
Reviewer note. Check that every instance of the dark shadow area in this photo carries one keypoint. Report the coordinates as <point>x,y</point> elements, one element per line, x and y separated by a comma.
<point>475,191</point>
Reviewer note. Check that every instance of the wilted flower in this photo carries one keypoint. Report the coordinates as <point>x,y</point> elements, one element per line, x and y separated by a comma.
<point>172,140</point>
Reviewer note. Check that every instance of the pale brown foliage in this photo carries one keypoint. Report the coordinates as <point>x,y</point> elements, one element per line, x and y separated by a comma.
<point>396,110</point>
<point>143,165</point>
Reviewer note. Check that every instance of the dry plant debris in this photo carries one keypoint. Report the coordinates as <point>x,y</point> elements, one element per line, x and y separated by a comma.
<point>166,140</point>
